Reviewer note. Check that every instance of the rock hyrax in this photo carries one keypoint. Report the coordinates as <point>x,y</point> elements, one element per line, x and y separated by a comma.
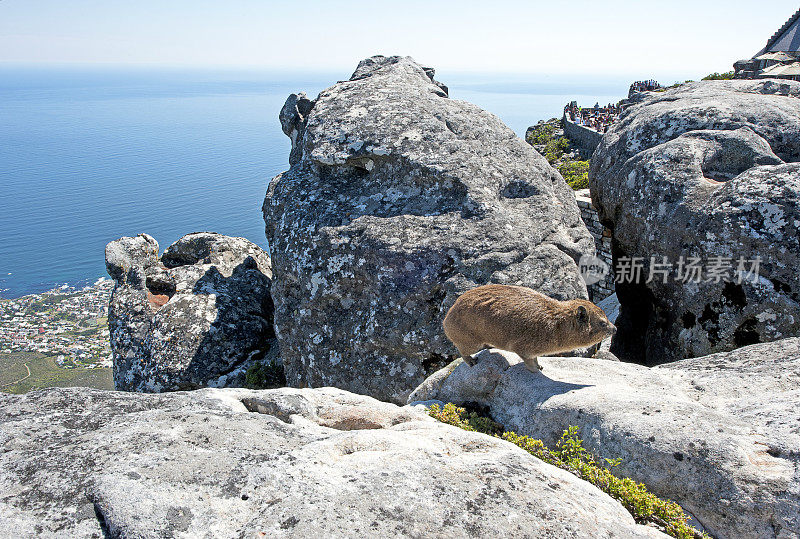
<point>523,321</point>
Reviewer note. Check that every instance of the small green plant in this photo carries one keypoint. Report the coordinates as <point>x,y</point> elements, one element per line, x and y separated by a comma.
<point>665,88</point>
<point>555,148</point>
<point>576,173</point>
<point>461,418</point>
<point>265,375</point>
<point>569,454</point>
<point>541,134</point>
<point>719,76</point>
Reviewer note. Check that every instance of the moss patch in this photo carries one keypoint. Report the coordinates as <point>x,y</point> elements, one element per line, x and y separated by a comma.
<point>569,454</point>
<point>265,375</point>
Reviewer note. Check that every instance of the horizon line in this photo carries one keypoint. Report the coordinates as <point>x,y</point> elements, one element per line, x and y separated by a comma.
<point>337,70</point>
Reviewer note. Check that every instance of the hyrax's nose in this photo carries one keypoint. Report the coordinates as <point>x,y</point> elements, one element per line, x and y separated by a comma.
<point>613,329</point>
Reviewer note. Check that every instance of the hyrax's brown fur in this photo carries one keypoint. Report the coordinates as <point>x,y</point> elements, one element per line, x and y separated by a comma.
<point>523,321</point>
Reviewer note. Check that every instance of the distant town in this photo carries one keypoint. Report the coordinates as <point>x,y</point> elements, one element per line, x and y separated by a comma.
<point>65,322</point>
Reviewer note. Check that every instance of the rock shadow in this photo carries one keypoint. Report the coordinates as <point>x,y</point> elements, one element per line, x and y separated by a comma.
<point>243,330</point>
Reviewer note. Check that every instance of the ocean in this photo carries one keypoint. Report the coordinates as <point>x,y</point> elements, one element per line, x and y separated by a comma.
<point>91,154</point>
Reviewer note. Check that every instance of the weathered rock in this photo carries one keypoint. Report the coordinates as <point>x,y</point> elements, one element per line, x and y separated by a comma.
<point>313,463</point>
<point>197,317</point>
<point>127,258</point>
<point>398,199</point>
<point>708,170</point>
<point>610,306</point>
<point>719,434</point>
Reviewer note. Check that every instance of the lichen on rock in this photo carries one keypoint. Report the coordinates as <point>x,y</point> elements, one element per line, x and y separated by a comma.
<point>398,200</point>
<point>198,316</point>
<point>709,174</point>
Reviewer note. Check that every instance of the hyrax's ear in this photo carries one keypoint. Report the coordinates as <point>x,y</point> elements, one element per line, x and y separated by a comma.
<point>583,315</point>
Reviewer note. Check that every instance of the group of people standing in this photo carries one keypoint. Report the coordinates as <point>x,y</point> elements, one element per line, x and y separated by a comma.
<point>602,118</point>
<point>597,117</point>
<point>644,86</point>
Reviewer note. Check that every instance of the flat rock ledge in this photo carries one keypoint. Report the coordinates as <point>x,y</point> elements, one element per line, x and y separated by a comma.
<point>278,463</point>
<point>720,434</point>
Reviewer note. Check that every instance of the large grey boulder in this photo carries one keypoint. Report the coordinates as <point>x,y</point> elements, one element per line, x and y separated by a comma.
<point>718,434</point>
<point>229,463</point>
<point>708,171</point>
<point>398,199</point>
<point>198,316</point>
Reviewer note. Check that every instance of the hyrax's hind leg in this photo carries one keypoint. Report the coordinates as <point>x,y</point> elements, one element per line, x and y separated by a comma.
<point>464,339</point>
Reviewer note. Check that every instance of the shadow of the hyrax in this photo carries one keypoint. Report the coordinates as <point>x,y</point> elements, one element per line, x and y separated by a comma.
<point>494,371</point>
<point>537,385</point>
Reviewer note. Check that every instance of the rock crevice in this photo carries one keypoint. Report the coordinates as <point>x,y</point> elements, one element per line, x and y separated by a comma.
<point>198,316</point>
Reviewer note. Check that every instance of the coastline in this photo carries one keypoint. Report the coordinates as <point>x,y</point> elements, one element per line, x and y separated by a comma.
<point>62,329</point>
<point>73,286</point>
<point>211,141</point>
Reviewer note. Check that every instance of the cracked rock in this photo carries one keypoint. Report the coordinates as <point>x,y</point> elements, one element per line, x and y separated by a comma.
<point>708,172</point>
<point>198,316</point>
<point>78,462</point>
<point>399,199</point>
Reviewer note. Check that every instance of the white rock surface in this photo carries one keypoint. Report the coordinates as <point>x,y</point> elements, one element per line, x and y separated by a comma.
<point>281,463</point>
<point>718,434</point>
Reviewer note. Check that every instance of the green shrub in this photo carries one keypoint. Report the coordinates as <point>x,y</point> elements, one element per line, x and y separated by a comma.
<point>719,76</point>
<point>664,89</point>
<point>576,174</point>
<point>471,421</point>
<point>554,149</point>
<point>569,454</point>
<point>265,375</point>
<point>541,134</point>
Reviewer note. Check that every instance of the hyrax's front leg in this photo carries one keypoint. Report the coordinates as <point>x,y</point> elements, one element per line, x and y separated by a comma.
<point>532,363</point>
<point>466,356</point>
<point>466,349</point>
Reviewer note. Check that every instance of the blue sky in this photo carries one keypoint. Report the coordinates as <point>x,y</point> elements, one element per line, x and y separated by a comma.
<point>677,39</point>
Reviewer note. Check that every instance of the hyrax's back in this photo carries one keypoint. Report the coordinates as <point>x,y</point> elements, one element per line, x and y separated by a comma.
<point>495,315</point>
